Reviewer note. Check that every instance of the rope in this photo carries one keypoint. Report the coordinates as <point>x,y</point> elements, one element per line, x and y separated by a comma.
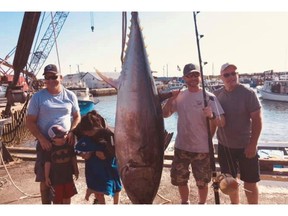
<point>26,194</point>
<point>124,29</point>
<point>166,200</point>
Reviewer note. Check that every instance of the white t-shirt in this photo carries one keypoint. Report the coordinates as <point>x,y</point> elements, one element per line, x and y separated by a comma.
<point>192,132</point>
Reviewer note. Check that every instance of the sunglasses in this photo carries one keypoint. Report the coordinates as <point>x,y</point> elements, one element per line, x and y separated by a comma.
<point>192,75</point>
<point>50,77</point>
<point>226,75</point>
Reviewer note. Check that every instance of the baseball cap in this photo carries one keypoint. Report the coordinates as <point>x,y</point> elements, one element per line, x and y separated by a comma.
<point>189,68</point>
<point>224,66</point>
<point>51,68</point>
<point>56,131</point>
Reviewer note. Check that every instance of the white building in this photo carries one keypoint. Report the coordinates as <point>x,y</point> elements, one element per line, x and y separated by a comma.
<point>89,79</point>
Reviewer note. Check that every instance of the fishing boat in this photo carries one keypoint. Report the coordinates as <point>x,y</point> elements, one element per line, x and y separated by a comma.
<point>175,85</point>
<point>275,90</point>
<point>86,100</point>
<point>212,85</point>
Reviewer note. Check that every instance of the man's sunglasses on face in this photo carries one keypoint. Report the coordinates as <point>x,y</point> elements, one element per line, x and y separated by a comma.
<point>190,75</point>
<point>226,75</point>
<point>50,77</point>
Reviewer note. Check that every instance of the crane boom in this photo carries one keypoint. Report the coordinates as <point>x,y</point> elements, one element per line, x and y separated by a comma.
<point>43,50</point>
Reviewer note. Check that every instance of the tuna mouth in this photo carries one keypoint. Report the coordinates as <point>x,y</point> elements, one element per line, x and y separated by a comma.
<point>135,167</point>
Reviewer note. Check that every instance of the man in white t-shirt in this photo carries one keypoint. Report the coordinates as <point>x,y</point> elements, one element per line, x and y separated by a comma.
<point>192,145</point>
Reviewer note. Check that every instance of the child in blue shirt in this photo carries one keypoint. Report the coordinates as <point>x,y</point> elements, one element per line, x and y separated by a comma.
<point>95,145</point>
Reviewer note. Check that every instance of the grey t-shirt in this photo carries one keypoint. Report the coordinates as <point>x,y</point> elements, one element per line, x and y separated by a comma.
<point>192,133</point>
<point>237,105</point>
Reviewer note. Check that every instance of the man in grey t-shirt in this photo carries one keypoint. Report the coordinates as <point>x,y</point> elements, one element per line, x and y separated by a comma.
<point>191,145</point>
<point>238,139</point>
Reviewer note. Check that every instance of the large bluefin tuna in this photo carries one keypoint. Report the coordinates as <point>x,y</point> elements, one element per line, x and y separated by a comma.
<point>139,126</point>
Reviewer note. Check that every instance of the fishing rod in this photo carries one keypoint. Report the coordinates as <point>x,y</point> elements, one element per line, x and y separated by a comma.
<point>215,183</point>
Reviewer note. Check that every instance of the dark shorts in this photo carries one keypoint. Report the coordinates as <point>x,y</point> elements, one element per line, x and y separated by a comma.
<point>200,163</point>
<point>64,191</point>
<point>39,164</point>
<point>233,161</point>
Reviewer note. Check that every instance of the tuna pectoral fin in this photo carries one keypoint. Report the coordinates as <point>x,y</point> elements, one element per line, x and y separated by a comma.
<point>167,139</point>
<point>113,82</point>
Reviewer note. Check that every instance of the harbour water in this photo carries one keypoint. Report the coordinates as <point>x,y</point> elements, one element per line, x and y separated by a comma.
<point>275,117</point>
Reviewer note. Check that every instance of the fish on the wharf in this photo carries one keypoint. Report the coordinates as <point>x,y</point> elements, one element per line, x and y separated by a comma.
<point>139,126</point>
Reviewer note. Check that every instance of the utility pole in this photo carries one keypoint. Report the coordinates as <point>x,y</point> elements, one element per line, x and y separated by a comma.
<point>167,69</point>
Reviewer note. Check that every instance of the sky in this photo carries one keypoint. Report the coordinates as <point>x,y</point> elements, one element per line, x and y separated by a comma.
<point>254,39</point>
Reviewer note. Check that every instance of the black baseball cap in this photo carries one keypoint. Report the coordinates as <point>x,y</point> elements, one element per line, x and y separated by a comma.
<point>189,68</point>
<point>51,68</point>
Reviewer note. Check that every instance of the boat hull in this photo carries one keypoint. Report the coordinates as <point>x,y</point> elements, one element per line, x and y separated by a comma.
<point>85,99</point>
<point>86,106</point>
<point>275,90</point>
<point>273,96</point>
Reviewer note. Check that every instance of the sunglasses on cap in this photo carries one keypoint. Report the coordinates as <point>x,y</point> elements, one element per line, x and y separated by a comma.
<point>226,75</point>
<point>190,75</point>
<point>50,77</point>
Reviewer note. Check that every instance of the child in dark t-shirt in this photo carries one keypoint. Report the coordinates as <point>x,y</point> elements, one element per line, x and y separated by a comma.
<point>60,166</point>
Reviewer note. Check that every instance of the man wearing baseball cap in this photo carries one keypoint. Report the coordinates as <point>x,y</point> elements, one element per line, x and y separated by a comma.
<point>191,144</point>
<point>237,147</point>
<point>52,105</point>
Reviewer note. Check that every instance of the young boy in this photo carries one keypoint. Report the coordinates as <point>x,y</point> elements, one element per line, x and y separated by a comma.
<point>60,165</point>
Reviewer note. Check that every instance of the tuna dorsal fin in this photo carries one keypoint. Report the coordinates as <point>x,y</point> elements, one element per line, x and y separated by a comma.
<point>113,82</point>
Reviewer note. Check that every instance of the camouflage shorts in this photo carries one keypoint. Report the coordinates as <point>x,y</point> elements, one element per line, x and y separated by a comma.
<point>200,163</point>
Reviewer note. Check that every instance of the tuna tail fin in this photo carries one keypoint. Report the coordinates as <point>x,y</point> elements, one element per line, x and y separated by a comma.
<point>113,82</point>
<point>167,139</point>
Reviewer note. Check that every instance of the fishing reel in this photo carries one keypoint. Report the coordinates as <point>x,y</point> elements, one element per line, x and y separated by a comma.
<point>227,184</point>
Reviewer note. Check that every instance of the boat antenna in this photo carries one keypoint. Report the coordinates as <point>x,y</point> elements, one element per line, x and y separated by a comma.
<point>215,184</point>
